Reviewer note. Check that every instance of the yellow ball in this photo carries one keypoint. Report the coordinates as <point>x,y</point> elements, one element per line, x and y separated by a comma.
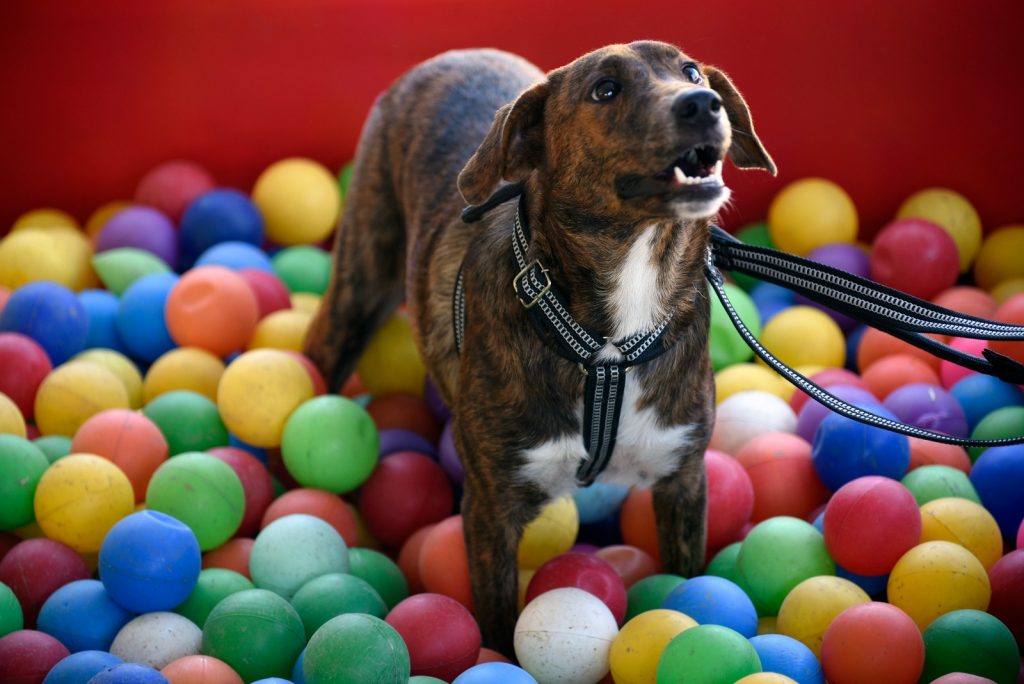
<point>935,578</point>
<point>965,523</point>
<point>391,363</point>
<point>284,329</point>
<point>766,678</point>
<point>99,218</point>
<point>73,393</point>
<point>768,624</point>
<point>60,254</point>
<point>811,606</point>
<point>184,368</point>
<point>951,211</point>
<point>45,218</point>
<point>805,336</point>
<point>809,213</point>
<point>299,199</point>
<point>11,420</point>
<point>1001,257</point>
<point>1007,289</point>
<point>525,575</point>
<point>121,366</point>
<point>79,498</point>
<point>306,301</point>
<point>258,392</point>
<point>638,646</point>
<point>741,377</point>
<point>550,534</point>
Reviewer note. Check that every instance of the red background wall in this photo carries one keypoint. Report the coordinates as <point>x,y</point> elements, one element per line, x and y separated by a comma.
<point>884,98</point>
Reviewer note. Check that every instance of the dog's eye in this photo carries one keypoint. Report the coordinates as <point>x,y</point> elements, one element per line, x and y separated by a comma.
<point>693,74</point>
<point>605,90</point>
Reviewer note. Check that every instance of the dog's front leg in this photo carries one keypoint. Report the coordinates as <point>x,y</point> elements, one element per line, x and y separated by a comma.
<point>680,511</point>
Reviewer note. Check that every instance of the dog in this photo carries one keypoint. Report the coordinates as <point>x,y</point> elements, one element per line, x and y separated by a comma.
<point>618,157</point>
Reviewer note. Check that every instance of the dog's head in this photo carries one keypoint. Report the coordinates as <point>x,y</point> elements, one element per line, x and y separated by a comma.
<point>636,131</point>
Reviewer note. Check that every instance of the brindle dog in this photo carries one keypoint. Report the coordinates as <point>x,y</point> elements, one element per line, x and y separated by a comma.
<point>620,156</point>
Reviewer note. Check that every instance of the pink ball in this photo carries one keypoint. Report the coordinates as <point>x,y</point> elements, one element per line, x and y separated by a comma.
<point>961,678</point>
<point>406,491</point>
<point>951,373</point>
<point>271,292</point>
<point>36,568</point>
<point>23,365</point>
<point>442,637</point>
<point>256,483</point>
<point>730,499</point>
<point>916,256</point>
<point>26,656</point>
<point>171,186</point>
<point>826,378</point>
<point>869,523</point>
<point>1007,580</point>
<point>589,573</point>
<point>142,228</point>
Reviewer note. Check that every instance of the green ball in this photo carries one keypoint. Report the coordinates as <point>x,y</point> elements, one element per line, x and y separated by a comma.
<point>345,178</point>
<point>22,464</point>
<point>330,443</point>
<point>724,564</point>
<point>201,491</point>
<point>1002,423</point>
<point>119,268</point>
<point>382,573</point>
<point>356,649</point>
<point>11,617</point>
<point>649,593</point>
<point>334,594</point>
<point>931,482</point>
<point>256,632</point>
<point>303,268</point>
<point>970,641</point>
<point>777,555</point>
<point>752,234</point>
<point>424,679</point>
<point>707,654</point>
<point>54,447</point>
<point>214,585</point>
<point>294,549</point>
<point>725,344</point>
<point>188,420</point>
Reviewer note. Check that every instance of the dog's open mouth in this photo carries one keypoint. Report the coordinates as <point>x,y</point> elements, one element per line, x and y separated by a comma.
<point>698,171</point>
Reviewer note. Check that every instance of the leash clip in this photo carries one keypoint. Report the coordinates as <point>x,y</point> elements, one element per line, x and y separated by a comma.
<point>544,290</point>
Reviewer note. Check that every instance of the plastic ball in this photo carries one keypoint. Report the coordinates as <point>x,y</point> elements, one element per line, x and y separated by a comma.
<point>965,523</point>
<point>714,600</point>
<point>997,258</point>
<point>812,605</point>
<point>406,412</point>
<point>27,655</point>
<point>51,315</point>
<point>299,200</point>
<point>810,213</point>
<point>316,502</point>
<point>172,185</point>
<point>34,568</point>
<point>11,617</point>
<point>119,269</point>
<point>631,564</point>
<point>140,320</point>
<point>121,366</point>
<point>236,256</point>
<point>1003,423</point>
<point>442,565</point>
<point>637,523</point>
<point>725,345</point>
<point>953,213</point>
<point>844,450</point>
<point>931,482</point>
<point>787,656</point>
<point>256,483</point>
<point>649,593</point>
<point>284,330</point>
<point>129,673</point>
<point>827,378</point>
<point>334,594</point>
<point>950,373</point>
<point>127,438</point>
<point>11,420</point>
<point>293,550</point>
<point>217,216</point>
<point>746,415</point>
<point>873,642</point>
<point>589,573</point>
<point>59,254</point>
<point>970,641</point>
<point>157,639</point>
<point>271,293</point>
<point>391,362</point>
<point>777,555</point>
<point>54,447</point>
<point>742,377</point>
<point>75,392</point>
<point>980,395</point>
<point>303,268</point>
<point>639,644</point>
<point>231,555</point>
<point>998,476</point>
<point>80,667</point>
<point>83,616</point>
<point>212,586</point>
<point>706,654</point>
<point>1006,578</point>
<point>202,492</point>
<point>437,654</point>
<point>771,299</point>
<point>804,336</point>
<point>782,475</point>
<point>597,501</point>
<point>893,372</point>
<point>875,344</point>
<point>929,407</point>
<point>1009,311</point>
<point>259,391</point>
<point>24,365</point>
<point>550,534</point>
<point>356,648</point>
<point>935,578</point>
<point>915,256</point>
<point>490,672</point>
<point>406,491</point>
<point>851,258</point>
<point>186,368</point>
<point>200,669</point>
<point>274,634</point>
<point>44,218</point>
<point>22,465</point>
<point>730,498</point>
<point>143,228</point>
<point>188,420</point>
<point>380,572</point>
<point>213,308</point>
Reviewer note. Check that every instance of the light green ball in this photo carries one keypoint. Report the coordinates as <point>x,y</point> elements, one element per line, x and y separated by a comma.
<point>293,550</point>
<point>931,482</point>
<point>725,345</point>
<point>707,654</point>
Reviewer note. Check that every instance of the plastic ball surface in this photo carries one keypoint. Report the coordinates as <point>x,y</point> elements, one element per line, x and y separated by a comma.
<point>997,258</point>
<point>22,465</point>
<point>24,364</point>
<point>34,568</point>
<point>217,216</point>
<point>157,639</point>
<point>731,498</point>
<point>127,438</point>
<point>725,346</point>
<point>809,609</point>
<point>356,648</point>
<point>442,654</point>
<point>965,523</point>
<point>299,201</point>
<point>51,315</point>
<point>585,572</point>
<point>810,213</point>
<point>75,392</point>
<point>80,667</point>
<point>27,655</point>
<point>170,186</point>
<point>200,669</point>
<point>391,362</point>
<point>953,213</point>
<point>551,533</point>
<point>970,641</point>
<point>782,475</point>
<point>707,654</point>
<point>787,656</point>
<point>929,407</point>
<point>143,228</point>
<point>334,594</point>
<point>916,256</point>
<point>259,391</point>
<point>746,415</point>
<point>805,336</point>
<point>873,642</point>
<point>118,269</point>
<point>998,476</point>
<point>82,616</point>
<point>935,578</point>
<point>844,450</point>
<point>489,673</point>
<point>639,644</point>
<point>186,368</point>
<point>129,673</point>
<point>930,482</point>
<point>293,550</point>
<point>714,601</point>
<point>212,308</point>
<point>140,318</point>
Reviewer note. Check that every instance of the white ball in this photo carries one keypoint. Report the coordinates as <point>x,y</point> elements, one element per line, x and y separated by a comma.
<point>745,415</point>
<point>156,639</point>
<point>565,635</point>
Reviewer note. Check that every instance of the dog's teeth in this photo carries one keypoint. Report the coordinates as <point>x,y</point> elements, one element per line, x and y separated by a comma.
<point>680,176</point>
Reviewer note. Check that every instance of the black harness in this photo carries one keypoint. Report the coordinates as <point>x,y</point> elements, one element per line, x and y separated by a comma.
<point>895,312</point>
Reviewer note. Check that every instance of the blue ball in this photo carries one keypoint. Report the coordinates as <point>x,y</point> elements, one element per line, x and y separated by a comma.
<point>598,501</point>
<point>150,562</point>
<point>101,307</point>
<point>770,299</point>
<point>129,673</point>
<point>82,616</point>
<point>79,668</point>
<point>873,585</point>
<point>845,449</point>
<point>51,315</point>
<point>218,216</point>
<point>712,600</point>
<point>998,477</point>
<point>980,395</point>
<point>298,676</point>
<point>495,673</point>
<point>140,318</point>
<point>787,656</point>
<point>852,345</point>
<point>236,256</point>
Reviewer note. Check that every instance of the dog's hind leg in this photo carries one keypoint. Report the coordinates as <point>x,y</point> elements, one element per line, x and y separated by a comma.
<point>680,504</point>
<point>367,280</point>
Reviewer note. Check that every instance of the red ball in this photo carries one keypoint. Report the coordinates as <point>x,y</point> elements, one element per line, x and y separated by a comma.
<point>783,476</point>
<point>318,503</point>
<point>256,483</point>
<point>915,256</point>
<point>36,568</point>
<point>270,291</point>
<point>1010,311</point>
<point>8,540</point>
<point>637,524</point>
<point>631,563</point>
<point>231,555</point>
<point>891,372</point>
<point>319,384</point>
<point>26,656</point>
<point>972,301</point>
<point>406,491</point>
<point>1007,604</point>
<point>443,564</point>
<point>442,637</point>
<point>407,412</point>
<point>128,438</point>
<point>730,499</point>
<point>589,573</point>
<point>825,378</point>
<point>869,523</point>
<point>23,365</point>
<point>171,186</point>
<point>409,559</point>
<point>872,642</point>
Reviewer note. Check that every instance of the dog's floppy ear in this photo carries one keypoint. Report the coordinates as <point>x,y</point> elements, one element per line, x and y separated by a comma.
<point>746,151</point>
<point>514,146</point>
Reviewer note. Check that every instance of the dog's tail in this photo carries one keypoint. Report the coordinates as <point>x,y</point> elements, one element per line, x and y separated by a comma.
<point>367,278</point>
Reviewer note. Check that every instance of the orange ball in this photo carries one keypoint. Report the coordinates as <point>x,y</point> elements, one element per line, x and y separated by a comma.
<point>632,564</point>
<point>213,308</point>
<point>231,555</point>
<point>896,370</point>
<point>407,412</point>
<point>926,452</point>
<point>875,344</point>
<point>972,301</point>
<point>316,502</point>
<point>443,562</point>
<point>409,559</point>
<point>488,655</point>
<point>1010,311</point>
<point>872,642</point>
<point>200,669</point>
<point>785,482</point>
<point>637,522</point>
<point>128,438</point>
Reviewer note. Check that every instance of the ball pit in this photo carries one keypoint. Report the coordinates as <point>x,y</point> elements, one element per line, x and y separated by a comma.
<point>200,669</point>
<point>51,315</point>
<point>129,439</point>
<point>140,318</point>
<point>118,269</point>
<point>356,648</point>
<point>998,475</point>
<point>782,475</point>
<point>805,336</point>
<point>585,572</point>
<point>787,656</point>
<point>745,415</point>
<point>129,673</point>
<point>22,465</point>
<point>212,586</point>
<point>185,369</point>
<point>318,503</point>
<point>257,393</point>
<point>382,573</point>
<point>916,256</point>
<point>299,200</point>
<point>965,523</point>
<point>24,364</point>
<point>844,450</point>
<point>27,655</point>
<point>212,308</point>
<point>726,346</point>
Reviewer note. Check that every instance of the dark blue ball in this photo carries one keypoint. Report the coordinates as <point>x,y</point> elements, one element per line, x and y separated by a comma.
<point>845,449</point>
<point>712,600</point>
<point>218,216</point>
<point>980,395</point>
<point>101,307</point>
<point>787,656</point>
<point>82,616</point>
<point>80,667</point>
<point>770,299</point>
<point>140,317</point>
<point>51,315</point>
<point>998,477</point>
<point>129,673</point>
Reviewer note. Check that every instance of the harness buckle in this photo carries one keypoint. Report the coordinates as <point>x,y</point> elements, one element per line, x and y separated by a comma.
<point>544,290</point>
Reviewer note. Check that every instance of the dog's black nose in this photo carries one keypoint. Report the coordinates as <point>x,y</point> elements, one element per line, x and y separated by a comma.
<point>698,107</point>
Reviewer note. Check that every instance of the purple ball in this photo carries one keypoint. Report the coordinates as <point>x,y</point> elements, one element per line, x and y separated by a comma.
<point>813,413</point>
<point>846,257</point>
<point>143,228</point>
<point>434,402</point>
<point>929,407</point>
<point>393,440</point>
<point>450,460</point>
